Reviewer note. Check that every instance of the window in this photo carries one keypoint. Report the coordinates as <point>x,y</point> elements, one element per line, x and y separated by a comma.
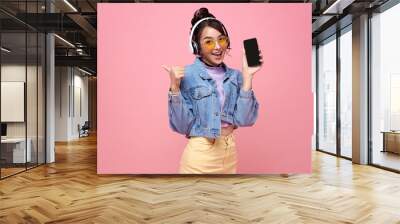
<point>346,74</point>
<point>385,88</point>
<point>327,95</point>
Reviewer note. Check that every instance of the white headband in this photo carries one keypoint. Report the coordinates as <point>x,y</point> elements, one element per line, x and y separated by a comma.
<point>192,31</point>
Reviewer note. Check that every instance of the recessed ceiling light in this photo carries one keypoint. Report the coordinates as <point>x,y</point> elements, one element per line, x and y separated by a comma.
<point>5,50</point>
<point>64,40</point>
<point>338,6</point>
<point>84,71</point>
<point>70,5</point>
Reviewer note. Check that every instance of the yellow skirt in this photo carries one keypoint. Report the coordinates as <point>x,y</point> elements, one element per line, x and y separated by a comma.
<point>208,156</point>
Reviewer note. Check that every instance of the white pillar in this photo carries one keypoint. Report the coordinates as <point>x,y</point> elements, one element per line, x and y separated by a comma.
<point>360,90</point>
<point>50,92</point>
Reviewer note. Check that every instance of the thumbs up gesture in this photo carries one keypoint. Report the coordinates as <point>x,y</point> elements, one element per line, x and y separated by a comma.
<point>176,73</point>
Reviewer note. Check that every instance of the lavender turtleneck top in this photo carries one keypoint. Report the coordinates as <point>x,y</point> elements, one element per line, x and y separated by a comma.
<point>217,73</point>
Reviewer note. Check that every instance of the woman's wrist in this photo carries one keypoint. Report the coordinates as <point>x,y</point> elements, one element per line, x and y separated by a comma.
<point>174,89</point>
<point>247,84</point>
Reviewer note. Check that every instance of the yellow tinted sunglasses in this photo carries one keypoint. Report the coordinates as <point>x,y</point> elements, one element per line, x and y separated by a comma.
<point>210,44</point>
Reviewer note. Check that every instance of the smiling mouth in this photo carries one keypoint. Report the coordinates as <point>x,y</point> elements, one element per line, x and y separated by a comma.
<point>217,54</point>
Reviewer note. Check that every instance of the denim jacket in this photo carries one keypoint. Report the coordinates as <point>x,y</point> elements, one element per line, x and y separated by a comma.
<point>196,110</point>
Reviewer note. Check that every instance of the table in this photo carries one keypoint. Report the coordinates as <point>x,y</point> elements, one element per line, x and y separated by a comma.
<point>13,150</point>
<point>391,141</point>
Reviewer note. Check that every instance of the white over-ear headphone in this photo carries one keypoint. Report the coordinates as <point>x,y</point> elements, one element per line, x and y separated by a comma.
<point>194,49</point>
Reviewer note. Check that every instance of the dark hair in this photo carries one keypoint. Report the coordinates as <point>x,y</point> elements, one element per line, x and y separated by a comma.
<point>216,24</point>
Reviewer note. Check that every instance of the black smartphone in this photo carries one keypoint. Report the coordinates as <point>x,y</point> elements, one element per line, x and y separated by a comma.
<point>252,52</point>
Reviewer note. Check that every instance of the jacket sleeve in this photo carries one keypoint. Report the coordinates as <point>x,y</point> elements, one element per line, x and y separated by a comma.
<point>180,111</point>
<point>246,109</point>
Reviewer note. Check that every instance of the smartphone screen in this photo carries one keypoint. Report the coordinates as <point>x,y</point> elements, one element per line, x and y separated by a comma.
<point>252,52</point>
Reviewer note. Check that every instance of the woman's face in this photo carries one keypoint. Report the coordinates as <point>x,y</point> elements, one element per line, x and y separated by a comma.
<point>213,45</point>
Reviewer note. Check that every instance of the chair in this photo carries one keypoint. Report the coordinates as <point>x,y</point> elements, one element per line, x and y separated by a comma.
<point>84,130</point>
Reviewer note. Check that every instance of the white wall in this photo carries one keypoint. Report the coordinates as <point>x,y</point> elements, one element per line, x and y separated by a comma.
<point>70,83</point>
<point>62,81</point>
<point>81,84</point>
<point>15,72</point>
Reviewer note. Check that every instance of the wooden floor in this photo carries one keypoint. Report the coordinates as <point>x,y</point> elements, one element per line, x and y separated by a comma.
<point>387,159</point>
<point>70,191</point>
<point>5,172</point>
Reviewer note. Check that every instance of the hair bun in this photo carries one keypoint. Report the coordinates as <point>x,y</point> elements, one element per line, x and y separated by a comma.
<point>200,14</point>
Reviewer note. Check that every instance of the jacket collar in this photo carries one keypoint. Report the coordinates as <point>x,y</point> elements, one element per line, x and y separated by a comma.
<point>203,72</point>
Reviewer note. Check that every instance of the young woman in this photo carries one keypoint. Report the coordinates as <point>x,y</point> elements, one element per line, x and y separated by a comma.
<point>208,100</point>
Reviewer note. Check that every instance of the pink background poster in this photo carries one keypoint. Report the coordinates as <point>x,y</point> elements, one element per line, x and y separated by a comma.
<point>134,40</point>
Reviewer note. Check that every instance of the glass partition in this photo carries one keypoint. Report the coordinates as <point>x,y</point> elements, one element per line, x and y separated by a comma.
<point>22,77</point>
<point>13,103</point>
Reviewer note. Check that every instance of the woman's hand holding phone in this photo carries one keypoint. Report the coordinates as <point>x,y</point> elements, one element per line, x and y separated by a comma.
<point>248,72</point>
<point>176,73</point>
